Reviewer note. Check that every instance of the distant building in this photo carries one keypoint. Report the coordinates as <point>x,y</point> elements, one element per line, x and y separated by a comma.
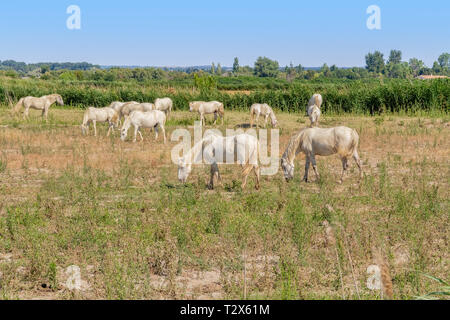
<point>429,77</point>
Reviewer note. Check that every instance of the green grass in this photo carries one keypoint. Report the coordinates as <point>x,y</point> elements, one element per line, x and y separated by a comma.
<point>136,223</point>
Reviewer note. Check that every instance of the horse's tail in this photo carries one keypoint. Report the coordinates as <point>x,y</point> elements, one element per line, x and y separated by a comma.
<point>354,143</point>
<point>317,100</point>
<point>115,118</point>
<point>85,121</point>
<point>18,105</point>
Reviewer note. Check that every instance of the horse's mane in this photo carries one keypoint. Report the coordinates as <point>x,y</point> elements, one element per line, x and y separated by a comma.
<point>272,115</point>
<point>293,145</point>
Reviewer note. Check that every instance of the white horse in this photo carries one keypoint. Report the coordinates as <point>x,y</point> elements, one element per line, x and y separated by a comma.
<point>258,109</point>
<point>42,103</point>
<point>149,119</point>
<point>314,112</point>
<point>314,115</point>
<point>242,148</point>
<point>203,108</point>
<point>323,142</point>
<point>316,99</point>
<point>129,107</point>
<point>95,115</point>
<point>164,104</point>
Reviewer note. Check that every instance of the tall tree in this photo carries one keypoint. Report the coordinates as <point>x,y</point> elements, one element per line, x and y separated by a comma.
<point>436,68</point>
<point>395,57</point>
<point>416,66</point>
<point>325,70</point>
<point>213,68</point>
<point>444,60</point>
<point>375,62</point>
<point>219,69</point>
<point>264,67</point>
<point>236,65</point>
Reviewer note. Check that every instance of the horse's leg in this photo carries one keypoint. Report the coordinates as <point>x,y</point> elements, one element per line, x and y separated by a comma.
<point>140,133</point>
<point>164,132</point>
<point>135,134</point>
<point>358,163</point>
<point>305,177</point>
<point>344,168</point>
<point>25,112</point>
<point>109,130</point>
<point>257,170</point>
<point>215,118</point>
<point>156,133</point>
<point>95,127</point>
<point>45,112</point>
<point>313,160</point>
<point>245,172</point>
<point>257,120</point>
<point>214,174</point>
<point>265,121</point>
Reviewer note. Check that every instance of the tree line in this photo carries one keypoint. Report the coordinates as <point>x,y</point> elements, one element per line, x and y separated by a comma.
<point>376,66</point>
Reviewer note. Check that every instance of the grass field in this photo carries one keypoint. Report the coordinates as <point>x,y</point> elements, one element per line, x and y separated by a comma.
<point>116,210</point>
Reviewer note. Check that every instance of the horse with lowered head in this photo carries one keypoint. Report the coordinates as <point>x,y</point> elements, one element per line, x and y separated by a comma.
<point>212,107</point>
<point>323,142</point>
<point>241,148</point>
<point>265,110</point>
<point>314,112</point>
<point>42,103</point>
<point>95,115</point>
<point>164,104</point>
<point>150,119</point>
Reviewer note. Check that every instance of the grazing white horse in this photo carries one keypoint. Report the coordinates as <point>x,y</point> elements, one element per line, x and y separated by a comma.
<point>258,109</point>
<point>314,112</point>
<point>323,142</point>
<point>42,103</point>
<point>164,104</point>
<point>149,119</point>
<point>203,108</point>
<point>316,99</point>
<point>129,107</point>
<point>95,115</point>
<point>242,148</point>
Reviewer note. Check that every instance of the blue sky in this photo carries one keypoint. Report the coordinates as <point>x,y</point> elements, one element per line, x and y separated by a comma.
<point>198,32</point>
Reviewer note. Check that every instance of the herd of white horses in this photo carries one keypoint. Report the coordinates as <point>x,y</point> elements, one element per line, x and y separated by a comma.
<point>244,148</point>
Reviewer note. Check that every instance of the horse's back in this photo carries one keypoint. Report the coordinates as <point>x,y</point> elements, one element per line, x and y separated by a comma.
<point>316,99</point>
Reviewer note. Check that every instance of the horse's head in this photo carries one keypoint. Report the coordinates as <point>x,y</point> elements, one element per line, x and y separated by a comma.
<point>59,100</point>
<point>184,169</point>
<point>288,169</point>
<point>274,122</point>
<point>191,106</point>
<point>123,134</point>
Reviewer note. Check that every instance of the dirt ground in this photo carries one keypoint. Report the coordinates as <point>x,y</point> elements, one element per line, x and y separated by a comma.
<point>117,211</point>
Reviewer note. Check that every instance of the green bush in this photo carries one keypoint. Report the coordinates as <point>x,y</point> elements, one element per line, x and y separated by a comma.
<point>369,97</point>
